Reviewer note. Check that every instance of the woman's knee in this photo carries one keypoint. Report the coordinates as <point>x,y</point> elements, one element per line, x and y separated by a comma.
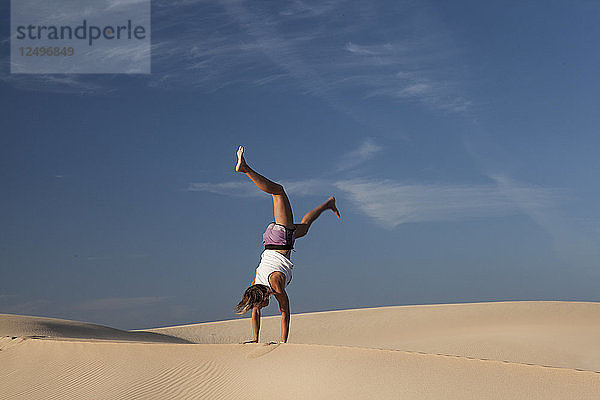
<point>278,190</point>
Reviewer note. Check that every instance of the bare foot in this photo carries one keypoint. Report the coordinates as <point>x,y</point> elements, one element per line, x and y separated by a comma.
<point>332,207</point>
<point>241,163</point>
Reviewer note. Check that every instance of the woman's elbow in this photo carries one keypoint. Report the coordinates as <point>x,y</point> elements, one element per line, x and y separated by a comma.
<point>285,309</point>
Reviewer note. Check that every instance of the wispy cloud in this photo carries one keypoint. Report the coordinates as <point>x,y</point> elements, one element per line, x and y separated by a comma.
<point>237,189</point>
<point>364,152</point>
<point>364,50</point>
<point>247,189</point>
<point>333,49</point>
<point>333,58</point>
<point>57,83</point>
<point>311,9</point>
<point>75,82</point>
<point>390,203</point>
<point>415,69</point>
<point>120,3</point>
<point>308,187</point>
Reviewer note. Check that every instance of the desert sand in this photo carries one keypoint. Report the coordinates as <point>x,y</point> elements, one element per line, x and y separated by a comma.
<point>503,350</point>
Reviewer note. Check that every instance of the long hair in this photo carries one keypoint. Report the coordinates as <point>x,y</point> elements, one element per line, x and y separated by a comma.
<point>253,296</point>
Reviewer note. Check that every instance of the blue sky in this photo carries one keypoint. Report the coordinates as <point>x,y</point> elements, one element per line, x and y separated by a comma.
<point>460,139</point>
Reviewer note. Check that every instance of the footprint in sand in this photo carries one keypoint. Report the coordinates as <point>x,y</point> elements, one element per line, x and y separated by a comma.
<point>262,349</point>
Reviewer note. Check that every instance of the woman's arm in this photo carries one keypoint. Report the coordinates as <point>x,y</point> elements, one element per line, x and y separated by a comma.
<point>284,307</point>
<point>277,281</point>
<point>256,322</point>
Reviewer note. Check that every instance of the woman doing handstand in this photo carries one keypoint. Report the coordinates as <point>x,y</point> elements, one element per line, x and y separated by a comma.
<point>274,272</point>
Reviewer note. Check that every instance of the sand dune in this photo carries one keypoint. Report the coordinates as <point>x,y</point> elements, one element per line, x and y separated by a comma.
<point>560,334</point>
<point>40,327</point>
<point>416,352</point>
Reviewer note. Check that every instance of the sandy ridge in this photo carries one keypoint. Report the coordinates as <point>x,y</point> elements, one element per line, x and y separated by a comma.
<point>508,350</point>
<point>554,334</point>
<point>43,327</point>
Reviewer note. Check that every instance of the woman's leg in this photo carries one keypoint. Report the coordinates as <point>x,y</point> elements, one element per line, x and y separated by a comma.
<point>282,209</point>
<point>312,215</point>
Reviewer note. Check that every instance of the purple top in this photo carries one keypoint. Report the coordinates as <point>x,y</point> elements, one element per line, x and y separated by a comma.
<point>278,237</point>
